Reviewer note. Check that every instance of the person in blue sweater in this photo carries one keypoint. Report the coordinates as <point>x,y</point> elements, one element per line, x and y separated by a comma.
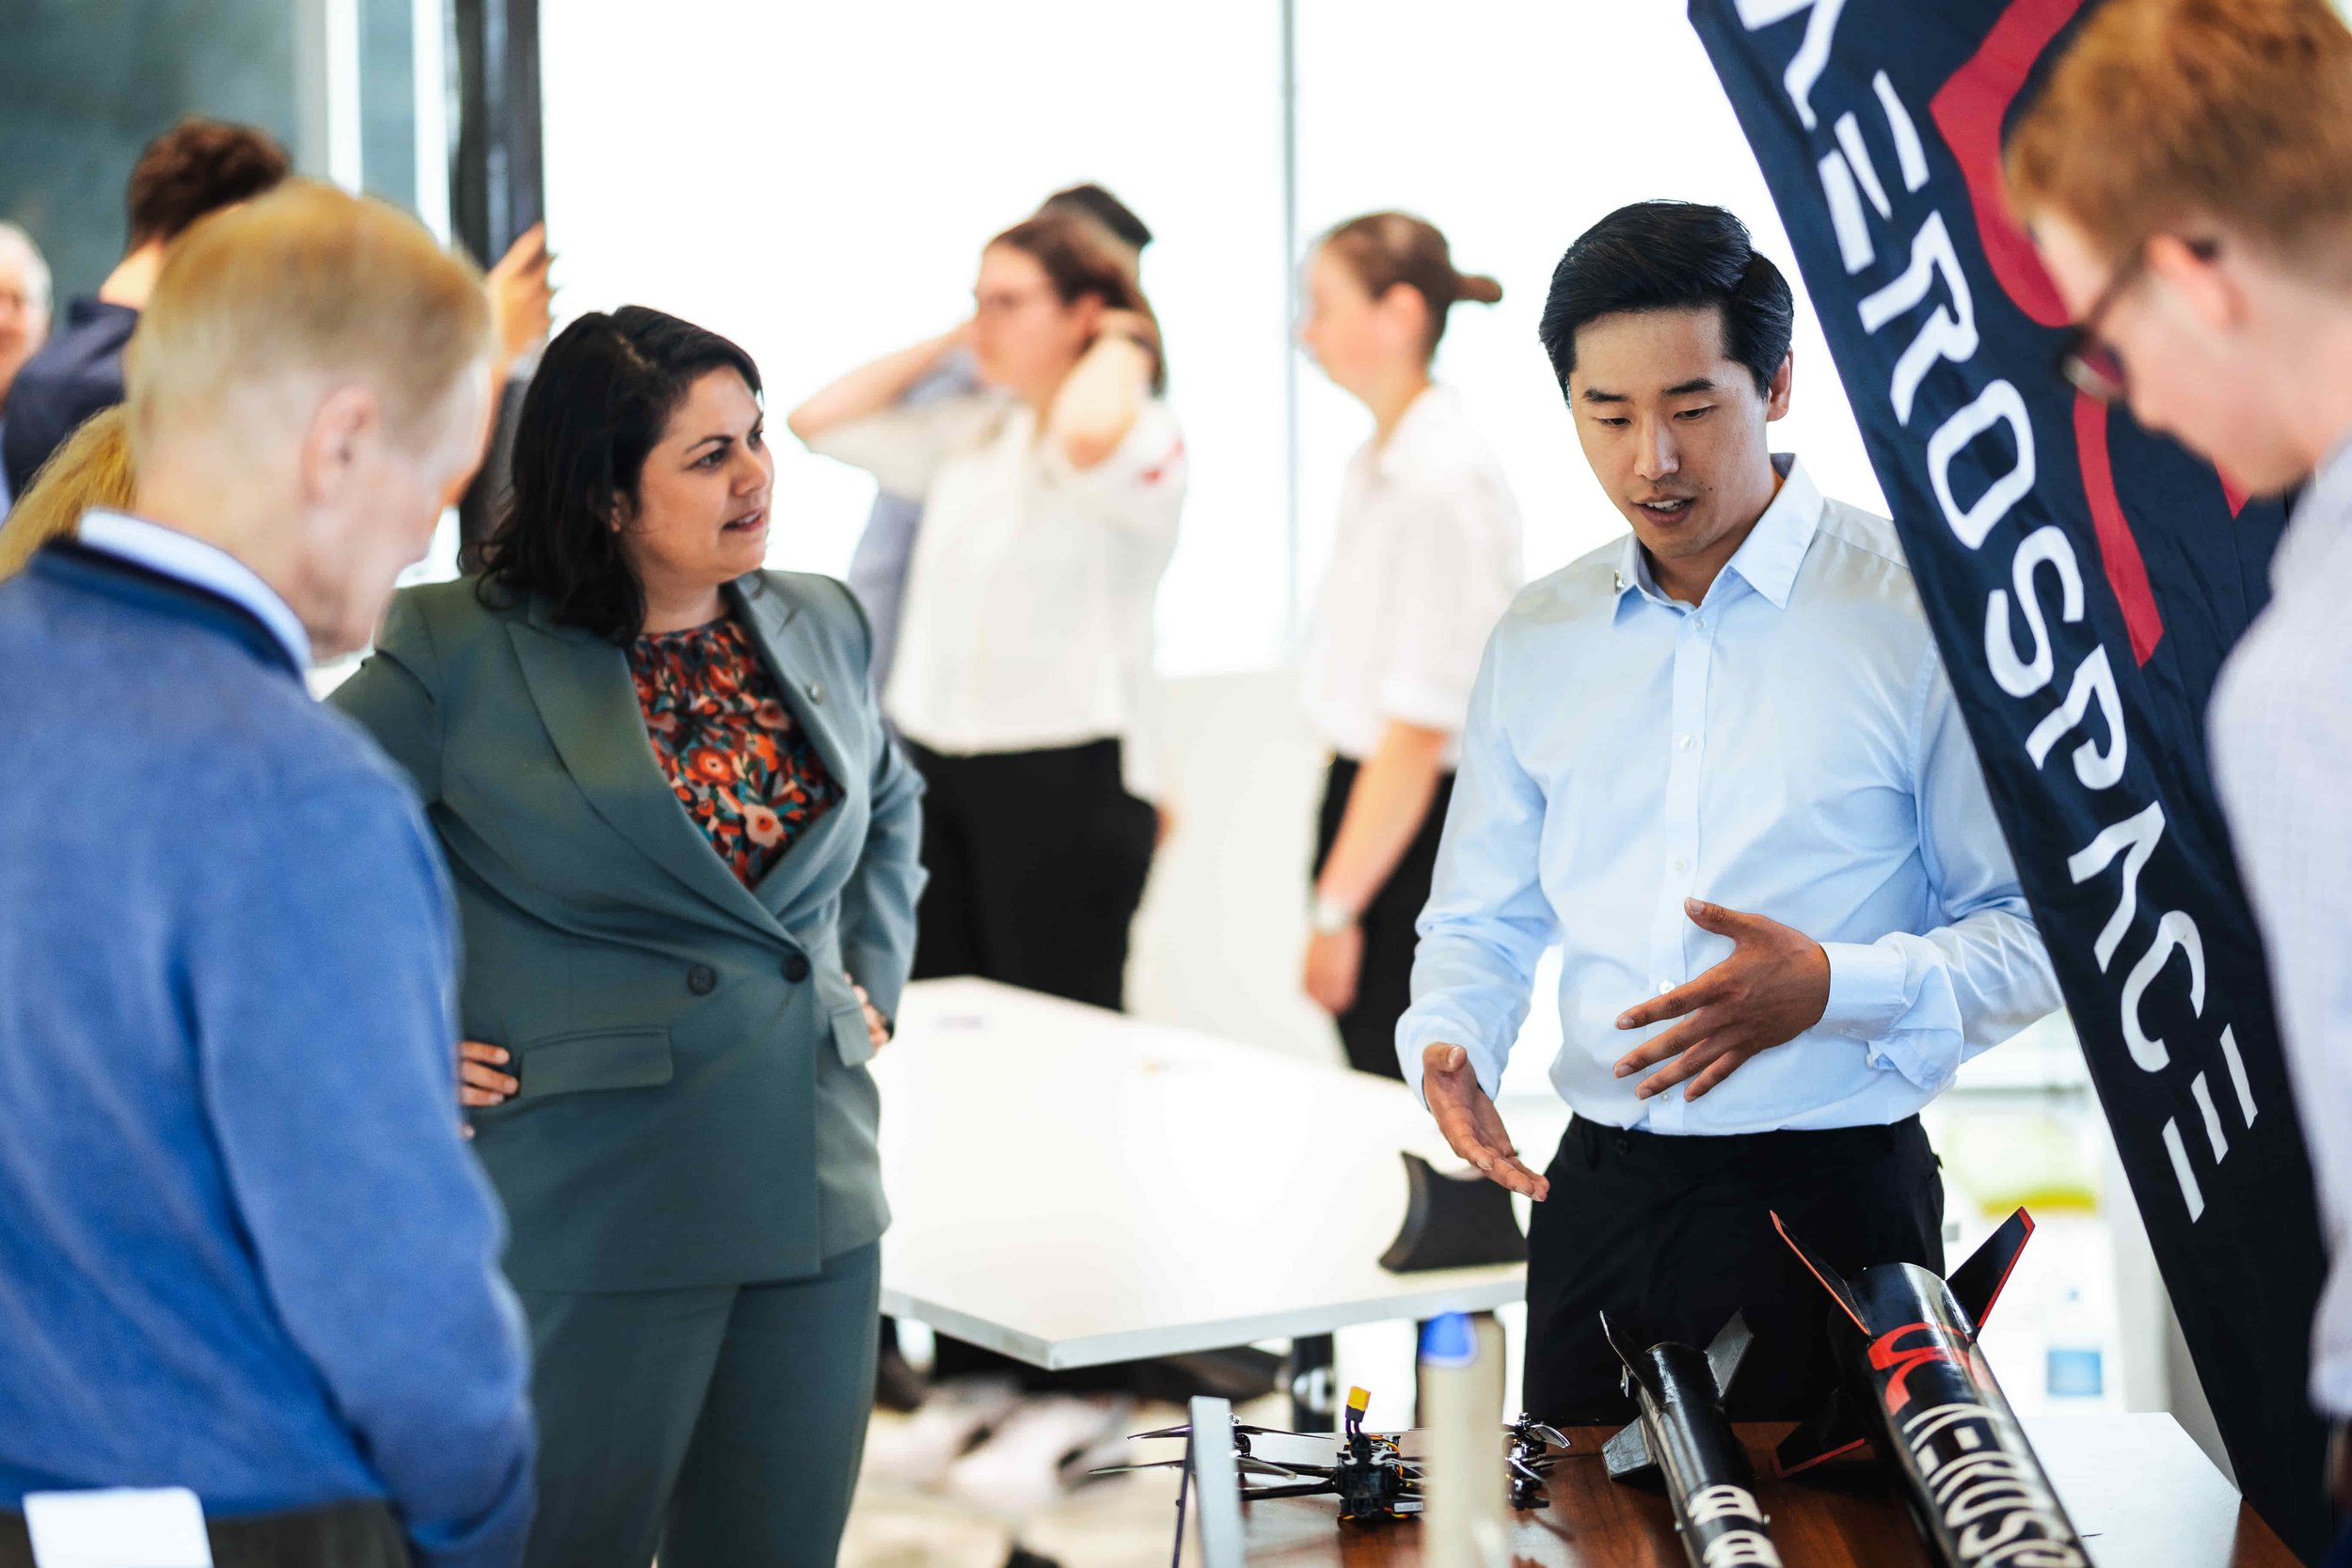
<point>244,1249</point>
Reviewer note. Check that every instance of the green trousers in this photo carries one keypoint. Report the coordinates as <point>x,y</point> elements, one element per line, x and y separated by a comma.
<point>720,1427</point>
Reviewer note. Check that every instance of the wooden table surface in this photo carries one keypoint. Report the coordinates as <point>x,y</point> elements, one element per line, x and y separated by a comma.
<point>2140,1492</point>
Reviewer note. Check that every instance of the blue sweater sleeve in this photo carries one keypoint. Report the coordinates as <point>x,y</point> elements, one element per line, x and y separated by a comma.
<point>326,1027</point>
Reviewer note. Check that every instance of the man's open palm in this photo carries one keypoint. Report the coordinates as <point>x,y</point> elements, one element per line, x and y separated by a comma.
<point>1470,1121</point>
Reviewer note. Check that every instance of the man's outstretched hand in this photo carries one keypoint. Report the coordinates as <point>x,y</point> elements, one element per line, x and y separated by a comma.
<point>1773,988</point>
<point>1470,1123</point>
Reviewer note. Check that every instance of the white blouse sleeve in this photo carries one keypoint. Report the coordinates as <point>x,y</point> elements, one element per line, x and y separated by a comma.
<point>905,446</point>
<point>1456,570</point>
<point>1141,485</point>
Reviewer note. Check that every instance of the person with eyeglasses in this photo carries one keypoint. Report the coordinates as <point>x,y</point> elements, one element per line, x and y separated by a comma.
<point>1022,678</point>
<point>1720,763</point>
<point>2196,228</point>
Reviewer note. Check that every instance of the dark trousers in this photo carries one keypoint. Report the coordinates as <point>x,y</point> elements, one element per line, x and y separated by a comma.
<point>1385,988</point>
<point>1671,1235</point>
<point>721,1425</point>
<point>343,1536</point>
<point>1037,863</point>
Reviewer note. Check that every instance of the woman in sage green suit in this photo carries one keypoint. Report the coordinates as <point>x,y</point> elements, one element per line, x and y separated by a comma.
<point>685,851</point>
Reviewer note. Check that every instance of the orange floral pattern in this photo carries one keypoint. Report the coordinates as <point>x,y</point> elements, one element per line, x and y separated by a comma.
<point>738,761</point>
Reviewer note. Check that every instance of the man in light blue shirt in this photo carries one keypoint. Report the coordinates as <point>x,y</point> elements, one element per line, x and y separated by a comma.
<point>1720,763</point>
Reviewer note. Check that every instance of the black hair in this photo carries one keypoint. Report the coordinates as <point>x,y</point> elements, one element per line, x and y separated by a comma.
<point>1671,256</point>
<point>1093,202</point>
<point>603,394</point>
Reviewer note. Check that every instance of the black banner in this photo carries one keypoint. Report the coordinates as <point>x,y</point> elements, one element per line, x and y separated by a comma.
<point>2085,581</point>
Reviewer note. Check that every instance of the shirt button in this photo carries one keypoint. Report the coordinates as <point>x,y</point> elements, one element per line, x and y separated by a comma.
<point>817,691</point>
<point>1684,742</point>
<point>702,979</point>
<point>796,968</point>
<point>1699,620</point>
<point>1664,986</point>
<point>1681,864</point>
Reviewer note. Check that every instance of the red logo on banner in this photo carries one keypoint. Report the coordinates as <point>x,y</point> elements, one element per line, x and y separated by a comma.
<point>1969,109</point>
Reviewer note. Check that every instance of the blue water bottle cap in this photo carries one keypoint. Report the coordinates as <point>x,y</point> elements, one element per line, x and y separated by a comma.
<point>1448,1340</point>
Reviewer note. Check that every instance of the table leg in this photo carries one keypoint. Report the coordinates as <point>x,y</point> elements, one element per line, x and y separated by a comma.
<point>1313,1385</point>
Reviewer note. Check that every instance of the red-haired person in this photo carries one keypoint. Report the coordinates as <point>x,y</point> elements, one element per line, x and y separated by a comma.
<point>2196,223</point>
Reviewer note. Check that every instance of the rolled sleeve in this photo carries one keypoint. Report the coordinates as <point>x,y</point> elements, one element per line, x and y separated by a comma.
<point>1924,1004</point>
<point>1487,920</point>
<point>1452,586</point>
<point>1865,988</point>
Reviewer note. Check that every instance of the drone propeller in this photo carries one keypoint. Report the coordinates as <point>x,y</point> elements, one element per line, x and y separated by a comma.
<point>1247,1463</point>
<point>1242,1427</point>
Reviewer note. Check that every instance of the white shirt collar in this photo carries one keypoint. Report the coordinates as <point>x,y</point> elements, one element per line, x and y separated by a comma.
<point>1430,412</point>
<point>192,560</point>
<point>1767,561</point>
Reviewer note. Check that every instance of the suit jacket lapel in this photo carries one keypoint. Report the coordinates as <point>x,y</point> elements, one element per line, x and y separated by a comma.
<point>783,638</point>
<point>580,686</point>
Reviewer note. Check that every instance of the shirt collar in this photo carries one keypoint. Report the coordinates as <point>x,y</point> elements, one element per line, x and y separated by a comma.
<point>1767,561</point>
<point>191,560</point>
<point>1429,410</point>
<point>2320,525</point>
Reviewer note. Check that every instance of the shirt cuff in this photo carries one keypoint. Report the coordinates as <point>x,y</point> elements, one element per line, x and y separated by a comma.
<point>1865,990</point>
<point>1427,703</point>
<point>1415,1036</point>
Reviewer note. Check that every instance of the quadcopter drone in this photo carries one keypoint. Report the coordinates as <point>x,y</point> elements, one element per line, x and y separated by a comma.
<point>1370,1474</point>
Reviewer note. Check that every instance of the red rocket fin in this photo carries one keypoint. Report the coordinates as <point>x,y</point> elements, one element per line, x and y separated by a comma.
<point>1834,1434</point>
<point>1977,1284</point>
<point>1832,1281</point>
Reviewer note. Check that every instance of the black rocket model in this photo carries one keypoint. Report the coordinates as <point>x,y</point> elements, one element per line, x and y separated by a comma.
<point>1919,1391</point>
<point>1681,1438</point>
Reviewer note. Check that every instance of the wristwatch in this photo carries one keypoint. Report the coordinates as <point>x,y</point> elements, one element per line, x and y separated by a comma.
<point>1327,918</point>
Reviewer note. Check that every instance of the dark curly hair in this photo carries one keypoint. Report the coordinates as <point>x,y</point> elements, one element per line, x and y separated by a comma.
<point>198,167</point>
<point>604,392</point>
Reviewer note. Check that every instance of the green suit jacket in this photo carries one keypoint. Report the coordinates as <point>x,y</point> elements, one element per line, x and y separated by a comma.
<point>695,1107</point>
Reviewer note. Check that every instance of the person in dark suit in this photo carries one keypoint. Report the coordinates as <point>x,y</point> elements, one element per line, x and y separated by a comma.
<point>197,167</point>
<point>686,857</point>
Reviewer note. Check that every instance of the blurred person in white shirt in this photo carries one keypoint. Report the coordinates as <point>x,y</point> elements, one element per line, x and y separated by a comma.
<point>1022,679</point>
<point>1426,558</point>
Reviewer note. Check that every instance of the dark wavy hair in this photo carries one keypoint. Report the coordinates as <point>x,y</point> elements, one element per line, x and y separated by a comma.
<point>1672,256</point>
<point>603,394</point>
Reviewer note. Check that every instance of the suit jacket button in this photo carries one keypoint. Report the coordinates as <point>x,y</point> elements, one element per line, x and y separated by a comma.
<point>796,968</point>
<point>702,980</point>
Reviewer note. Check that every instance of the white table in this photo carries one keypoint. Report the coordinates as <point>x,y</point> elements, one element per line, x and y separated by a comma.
<point>1074,1187</point>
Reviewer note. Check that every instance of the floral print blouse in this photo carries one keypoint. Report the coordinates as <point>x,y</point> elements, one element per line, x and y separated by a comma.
<point>736,759</point>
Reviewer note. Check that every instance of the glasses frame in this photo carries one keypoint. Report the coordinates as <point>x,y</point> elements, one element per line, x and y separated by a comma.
<point>2085,357</point>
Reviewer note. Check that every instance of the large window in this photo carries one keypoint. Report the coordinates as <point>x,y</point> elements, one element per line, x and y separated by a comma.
<point>817,182</point>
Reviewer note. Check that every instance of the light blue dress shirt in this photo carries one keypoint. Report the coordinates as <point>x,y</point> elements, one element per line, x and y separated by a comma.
<point>191,560</point>
<point>2281,740</point>
<point>1788,747</point>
